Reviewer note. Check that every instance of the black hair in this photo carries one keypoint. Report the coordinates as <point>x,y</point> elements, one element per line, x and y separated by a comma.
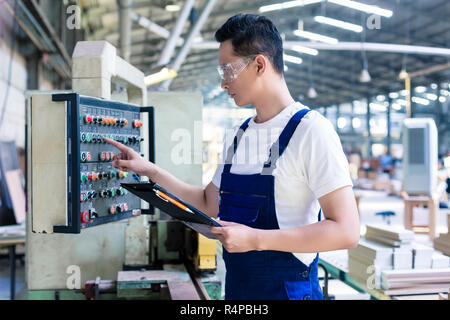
<point>253,34</point>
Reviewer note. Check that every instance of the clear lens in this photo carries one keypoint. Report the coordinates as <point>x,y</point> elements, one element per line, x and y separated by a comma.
<point>230,71</point>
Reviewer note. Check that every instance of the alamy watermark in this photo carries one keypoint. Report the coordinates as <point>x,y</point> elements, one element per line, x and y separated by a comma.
<point>253,146</point>
<point>73,20</point>
<point>73,281</point>
<point>373,22</point>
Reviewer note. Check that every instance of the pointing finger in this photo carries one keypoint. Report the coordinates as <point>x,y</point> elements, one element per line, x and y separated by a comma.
<point>116,144</point>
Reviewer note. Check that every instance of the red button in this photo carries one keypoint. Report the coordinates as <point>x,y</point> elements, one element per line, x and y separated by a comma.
<point>89,176</point>
<point>137,123</point>
<point>88,156</point>
<point>88,118</point>
<point>112,209</point>
<point>108,156</point>
<point>85,216</point>
<point>82,197</point>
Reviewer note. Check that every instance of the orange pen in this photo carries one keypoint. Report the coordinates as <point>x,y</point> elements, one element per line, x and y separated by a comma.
<point>171,200</point>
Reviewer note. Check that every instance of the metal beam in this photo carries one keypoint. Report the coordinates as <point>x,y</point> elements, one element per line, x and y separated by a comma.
<point>125,27</point>
<point>190,39</point>
<point>168,49</point>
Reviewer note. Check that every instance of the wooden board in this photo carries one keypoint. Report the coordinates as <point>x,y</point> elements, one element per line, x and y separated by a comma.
<point>175,276</point>
<point>391,232</point>
<point>417,290</point>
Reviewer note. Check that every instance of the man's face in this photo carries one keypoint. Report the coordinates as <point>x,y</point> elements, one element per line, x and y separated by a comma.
<point>239,88</point>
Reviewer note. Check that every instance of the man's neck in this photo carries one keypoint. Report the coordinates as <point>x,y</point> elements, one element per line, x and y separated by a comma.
<point>272,103</point>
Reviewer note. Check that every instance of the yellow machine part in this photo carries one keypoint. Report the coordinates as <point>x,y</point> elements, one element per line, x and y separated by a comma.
<point>206,254</point>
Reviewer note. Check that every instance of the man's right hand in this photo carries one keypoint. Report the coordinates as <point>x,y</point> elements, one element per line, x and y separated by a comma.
<point>130,160</point>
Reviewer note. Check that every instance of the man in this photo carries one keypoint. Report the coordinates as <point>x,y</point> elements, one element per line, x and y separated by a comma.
<point>271,191</point>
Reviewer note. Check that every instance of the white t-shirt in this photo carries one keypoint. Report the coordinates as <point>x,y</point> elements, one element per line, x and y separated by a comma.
<point>312,165</point>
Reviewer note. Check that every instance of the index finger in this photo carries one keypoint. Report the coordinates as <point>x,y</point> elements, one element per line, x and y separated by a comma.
<point>116,144</point>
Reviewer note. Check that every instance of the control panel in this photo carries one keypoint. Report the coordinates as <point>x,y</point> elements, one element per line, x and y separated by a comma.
<point>94,195</point>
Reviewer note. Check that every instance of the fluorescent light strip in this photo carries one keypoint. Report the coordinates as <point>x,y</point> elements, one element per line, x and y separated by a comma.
<point>423,101</point>
<point>431,96</point>
<point>338,23</point>
<point>292,59</point>
<point>302,49</point>
<point>287,5</point>
<point>315,36</point>
<point>363,7</point>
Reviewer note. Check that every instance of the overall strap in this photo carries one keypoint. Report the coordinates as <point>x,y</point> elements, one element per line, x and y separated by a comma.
<point>232,148</point>
<point>280,145</point>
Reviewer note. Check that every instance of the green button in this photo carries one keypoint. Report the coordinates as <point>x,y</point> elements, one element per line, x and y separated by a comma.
<point>113,192</point>
<point>88,137</point>
<point>84,177</point>
<point>126,174</point>
<point>112,174</point>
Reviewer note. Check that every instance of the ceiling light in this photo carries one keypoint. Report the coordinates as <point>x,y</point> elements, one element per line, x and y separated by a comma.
<point>403,74</point>
<point>287,5</point>
<point>431,96</point>
<point>363,7</point>
<point>420,89</point>
<point>159,74</point>
<point>292,59</point>
<point>341,122</point>
<point>396,106</point>
<point>404,92</point>
<point>377,107</point>
<point>172,6</point>
<point>423,101</point>
<point>312,93</point>
<point>381,98</point>
<point>393,95</point>
<point>338,23</point>
<point>442,99</point>
<point>365,77</point>
<point>315,36</point>
<point>302,49</point>
<point>356,123</point>
<point>402,102</point>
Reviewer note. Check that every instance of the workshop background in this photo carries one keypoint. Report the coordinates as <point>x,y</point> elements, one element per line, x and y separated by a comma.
<point>379,71</point>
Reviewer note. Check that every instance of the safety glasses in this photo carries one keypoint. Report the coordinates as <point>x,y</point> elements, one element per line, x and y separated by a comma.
<point>230,71</point>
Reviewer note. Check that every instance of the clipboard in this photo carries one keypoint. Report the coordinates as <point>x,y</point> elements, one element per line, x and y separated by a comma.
<point>154,194</point>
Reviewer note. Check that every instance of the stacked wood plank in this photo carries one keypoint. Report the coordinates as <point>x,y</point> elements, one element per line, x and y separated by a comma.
<point>442,243</point>
<point>415,281</point>
<point>367,260</point>
<point>390,235</point>
<point>422,256</point>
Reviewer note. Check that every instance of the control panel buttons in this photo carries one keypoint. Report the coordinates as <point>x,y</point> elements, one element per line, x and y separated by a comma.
<point>83,177</point>
<point>137,123</point>
<point>93,213</point>
<point>85,156</point>
<point>112,209</point>
<point>87,118</point>
<point>82,197</point>
<point>85,216</point>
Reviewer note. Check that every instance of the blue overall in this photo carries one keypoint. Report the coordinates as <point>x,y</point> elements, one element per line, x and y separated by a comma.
<point>249,199</point>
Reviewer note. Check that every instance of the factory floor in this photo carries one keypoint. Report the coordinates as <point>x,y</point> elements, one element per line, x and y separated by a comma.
<point>370,203</point>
